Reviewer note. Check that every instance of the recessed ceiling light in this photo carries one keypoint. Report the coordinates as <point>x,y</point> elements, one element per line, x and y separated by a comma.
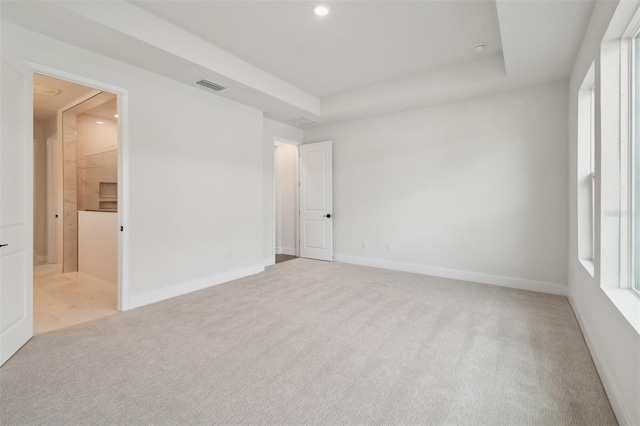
<point>478,48</point>
<point>321,10</point>
<point>100,122</point>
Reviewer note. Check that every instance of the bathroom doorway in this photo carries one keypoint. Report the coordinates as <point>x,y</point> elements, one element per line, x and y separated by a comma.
<point>76,197</point>
<point>285,171</point>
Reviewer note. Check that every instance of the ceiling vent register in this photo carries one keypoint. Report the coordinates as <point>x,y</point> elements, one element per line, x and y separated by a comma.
<point>210,85</point>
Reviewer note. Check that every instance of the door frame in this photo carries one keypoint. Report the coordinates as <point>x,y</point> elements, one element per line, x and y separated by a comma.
<point>287,141</point>
<point>123,168</point>
<point>52,195</point>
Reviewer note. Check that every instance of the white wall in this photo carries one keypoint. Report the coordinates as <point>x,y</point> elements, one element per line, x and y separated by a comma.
<point>272,129</point>
<point>286,187</point>
<point>472,186</point>
<point>614,344</point>
<point>195,175</point>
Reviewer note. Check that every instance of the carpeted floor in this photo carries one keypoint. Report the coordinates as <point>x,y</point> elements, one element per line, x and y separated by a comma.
<point>311,342</point>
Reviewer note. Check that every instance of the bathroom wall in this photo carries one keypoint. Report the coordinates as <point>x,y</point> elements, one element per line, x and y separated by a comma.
<point>39,192</point>
<point>286,176</point>
<point>42,130</point>
<point>70,193</point>
<point>70,173</point>
<point>97,157</point>
<point>98,245</point>
<point>51,127</point>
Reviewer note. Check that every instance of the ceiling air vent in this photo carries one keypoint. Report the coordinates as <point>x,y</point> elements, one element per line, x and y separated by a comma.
<point>210,85</point>
<point>301,121</point>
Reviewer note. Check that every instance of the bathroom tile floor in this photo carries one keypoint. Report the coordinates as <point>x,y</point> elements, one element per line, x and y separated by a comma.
<point>61,300</point>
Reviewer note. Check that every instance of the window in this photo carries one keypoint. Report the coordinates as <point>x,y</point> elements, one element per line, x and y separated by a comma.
<point>591,177</point>
<point>617,165</point>
<point>627,169</point>
<point>586,172</point>
<point>634,162</point>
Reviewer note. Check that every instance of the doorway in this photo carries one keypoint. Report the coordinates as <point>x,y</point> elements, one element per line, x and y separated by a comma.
<point>285,167</point>
<point>76,200</point>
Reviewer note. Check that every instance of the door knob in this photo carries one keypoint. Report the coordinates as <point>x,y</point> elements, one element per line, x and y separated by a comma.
<point>328,215</point>
<point>3,245</point>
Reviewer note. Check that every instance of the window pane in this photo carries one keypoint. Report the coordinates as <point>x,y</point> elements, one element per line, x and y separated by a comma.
<point>635,172</point>
<point>592,168</point>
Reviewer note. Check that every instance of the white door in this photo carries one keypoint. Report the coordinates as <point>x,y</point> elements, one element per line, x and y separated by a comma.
<point>316,201</point>
<point>16,204</point>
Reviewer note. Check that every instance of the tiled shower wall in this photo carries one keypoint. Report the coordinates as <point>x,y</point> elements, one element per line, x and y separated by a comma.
<point>96,168</point>
<point>70,190</point>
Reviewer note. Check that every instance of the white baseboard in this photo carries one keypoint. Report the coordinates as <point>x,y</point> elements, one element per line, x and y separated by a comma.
<point>605,376</point>
<point>268,261</point>
<point>152,296</point>
<point>477,277</point>
<point>286,250</point>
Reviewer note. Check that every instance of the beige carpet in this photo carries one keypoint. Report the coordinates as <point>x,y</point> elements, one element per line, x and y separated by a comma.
<point>316,343</point>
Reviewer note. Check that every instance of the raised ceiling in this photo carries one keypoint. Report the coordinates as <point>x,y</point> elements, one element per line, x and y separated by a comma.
<point>45,107</point>
<point>358,44</point>
<point>365,58</point>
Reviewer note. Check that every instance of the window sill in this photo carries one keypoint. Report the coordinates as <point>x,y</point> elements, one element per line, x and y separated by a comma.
<point>588,265</point>
<point>627,303</point>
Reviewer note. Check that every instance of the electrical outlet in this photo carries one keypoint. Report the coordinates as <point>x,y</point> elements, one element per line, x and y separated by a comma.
<point>364,244</point>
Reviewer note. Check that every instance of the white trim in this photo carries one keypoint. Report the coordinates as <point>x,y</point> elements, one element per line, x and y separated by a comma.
<point>273,202</point>
<point>633,27</point>
<point>626,142</point>
<point>285,140</point>
<point>123,168</point>
<point>605,376</point>
<point>123,199</point>
<point>588,266</point>
<point>268,261</point>
<point>286,250</point>
<point>627,302</point>
<point>157,295</point>
<point>476,277</point>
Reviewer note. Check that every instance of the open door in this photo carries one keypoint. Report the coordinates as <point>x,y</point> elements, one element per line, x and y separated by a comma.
<point>16,210</point>
<point>316,201</point>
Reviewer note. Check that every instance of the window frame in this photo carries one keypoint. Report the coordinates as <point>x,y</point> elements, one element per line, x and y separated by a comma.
<point>614,139</point>
<point>629,260</point>
<point>586,163</point>
<point>633,168</point>
<point>592,167</point>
